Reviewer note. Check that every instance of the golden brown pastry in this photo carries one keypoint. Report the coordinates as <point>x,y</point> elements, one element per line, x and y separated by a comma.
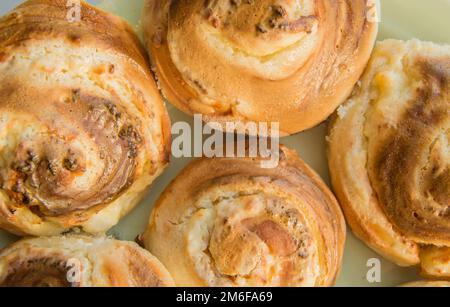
<point>80,261</point>
<point>283,61</point>
<point>83,130</point>
<point>229,222</point>
<point>389,155</point>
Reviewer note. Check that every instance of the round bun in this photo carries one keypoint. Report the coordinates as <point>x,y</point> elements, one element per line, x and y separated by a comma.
<point>80,261</point>
<point>389,155</point>
<point>83,129</point>
<point>259,61</point>
<point>230,222</point>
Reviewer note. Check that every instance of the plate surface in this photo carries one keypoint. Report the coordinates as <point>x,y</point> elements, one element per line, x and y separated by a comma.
<point>402,19</point>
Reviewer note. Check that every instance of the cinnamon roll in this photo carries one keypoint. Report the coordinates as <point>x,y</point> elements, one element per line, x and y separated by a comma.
<point>389,155</point>
<point>229,222</point>
<point>80,261</point>
<point>291,62</point>
<point>83,129</point>
<point>427,284</point>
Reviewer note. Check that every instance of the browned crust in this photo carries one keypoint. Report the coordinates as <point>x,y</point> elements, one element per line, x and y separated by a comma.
<point>121,142</point>
<point>398,164</point>
<point>387,155</point>
<point>164,236</point>
<point>97,262</point>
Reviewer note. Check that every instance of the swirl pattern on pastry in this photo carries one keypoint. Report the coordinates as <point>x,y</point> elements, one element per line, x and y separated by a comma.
<point>283,61</point>
<point>427,284</point>
<point>389,153</point>
<point>229,222</point>
<point>83,129</point>
<point>80,261</point>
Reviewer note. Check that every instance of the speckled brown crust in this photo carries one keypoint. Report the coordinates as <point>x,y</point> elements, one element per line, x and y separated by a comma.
<point>389,155</point>
<point>84,130</point>
<point>268,61</point>
<point>80,261</point>
<point>229,222</point>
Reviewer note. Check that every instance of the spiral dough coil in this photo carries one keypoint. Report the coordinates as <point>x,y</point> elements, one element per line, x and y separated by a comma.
<point>83,130</point>
<point>229,222</point>
<point>291,62</point>
<point>80,261</point>
<point>389,155</point>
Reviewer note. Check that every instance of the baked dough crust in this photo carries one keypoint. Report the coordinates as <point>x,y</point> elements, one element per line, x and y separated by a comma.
<point>427,284</point>
<point>389,155</point>
<point>229,222</point>
<point>80,261</point>
<point>83,129</point>
<point>283,61</point>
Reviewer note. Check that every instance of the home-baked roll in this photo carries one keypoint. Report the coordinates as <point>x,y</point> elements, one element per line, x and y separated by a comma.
<point>83,129</point>
<point>389,155</point>
<point>229,222</point>
<point>283,61</point>
<point>427,284</point>
<point>80,261</point>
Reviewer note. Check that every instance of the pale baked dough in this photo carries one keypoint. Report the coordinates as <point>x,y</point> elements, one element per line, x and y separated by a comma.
<point>80,261</point>
<point>83,129</point>
<point>229,222</point>
<point>283,61</point>
<point>389,155</point>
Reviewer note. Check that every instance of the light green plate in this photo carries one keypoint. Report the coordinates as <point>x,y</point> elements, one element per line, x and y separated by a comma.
<point>402,19</point>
